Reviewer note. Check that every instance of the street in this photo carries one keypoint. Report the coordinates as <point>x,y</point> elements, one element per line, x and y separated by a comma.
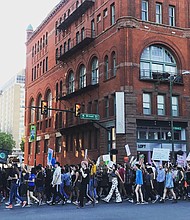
<point>101,211</point>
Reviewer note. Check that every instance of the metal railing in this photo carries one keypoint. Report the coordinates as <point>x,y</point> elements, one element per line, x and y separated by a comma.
<point>159,75</point>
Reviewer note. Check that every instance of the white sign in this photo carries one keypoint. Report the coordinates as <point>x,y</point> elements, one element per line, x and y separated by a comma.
<point>181,160</point>
<point>106,157</point>
<point>86,154</point>
<point>110,164</point>
<point>188,157</point>
<point>128,152</point>
<point>161,154</point>
<point>49,156</point>
<point>120,113</point>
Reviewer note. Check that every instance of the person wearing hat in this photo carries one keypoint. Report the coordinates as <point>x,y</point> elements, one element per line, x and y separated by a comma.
<point>85,174</point>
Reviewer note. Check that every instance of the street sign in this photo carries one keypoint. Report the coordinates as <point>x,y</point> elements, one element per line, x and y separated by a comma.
<point>177,128</point>
<point>95,117</point>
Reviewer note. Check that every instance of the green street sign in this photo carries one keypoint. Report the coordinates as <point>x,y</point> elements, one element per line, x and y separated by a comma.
<point>95,117</point>
<point>177,128</point>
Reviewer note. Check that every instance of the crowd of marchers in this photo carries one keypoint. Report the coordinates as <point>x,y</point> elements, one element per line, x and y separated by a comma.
<point>88,183</point>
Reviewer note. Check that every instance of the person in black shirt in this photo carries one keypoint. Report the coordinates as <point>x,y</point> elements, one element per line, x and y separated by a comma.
<point>14,178</point>
<point>85,173</point>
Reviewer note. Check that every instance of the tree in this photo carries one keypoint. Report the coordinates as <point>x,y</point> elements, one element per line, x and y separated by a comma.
<point>22,144</point>
<point>6,141</point>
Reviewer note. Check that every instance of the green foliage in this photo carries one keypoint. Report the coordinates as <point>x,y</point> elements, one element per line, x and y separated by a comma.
<point>22,145</point>
<point>6,141</point>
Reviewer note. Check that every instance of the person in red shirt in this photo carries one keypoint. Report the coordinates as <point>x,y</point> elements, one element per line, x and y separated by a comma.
<point>121,172</point>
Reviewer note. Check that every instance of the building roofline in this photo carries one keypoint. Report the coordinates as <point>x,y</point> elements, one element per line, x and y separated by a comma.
<point>46,20</point>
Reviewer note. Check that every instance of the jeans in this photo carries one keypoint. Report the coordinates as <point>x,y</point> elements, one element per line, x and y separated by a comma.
<point>14,192</point>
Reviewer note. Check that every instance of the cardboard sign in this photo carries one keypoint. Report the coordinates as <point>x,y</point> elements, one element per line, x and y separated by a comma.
<point>161,154</point>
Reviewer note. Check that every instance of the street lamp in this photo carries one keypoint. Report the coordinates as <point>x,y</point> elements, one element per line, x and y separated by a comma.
<point>172,81</point>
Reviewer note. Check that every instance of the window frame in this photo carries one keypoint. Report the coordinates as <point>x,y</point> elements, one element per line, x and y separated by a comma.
<point>147,111</point>
<point>144,12</point>
<point>172,17</point>
<point>159,13</point>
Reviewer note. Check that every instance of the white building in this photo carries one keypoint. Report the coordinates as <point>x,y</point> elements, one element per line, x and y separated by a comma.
<point>12,101</point>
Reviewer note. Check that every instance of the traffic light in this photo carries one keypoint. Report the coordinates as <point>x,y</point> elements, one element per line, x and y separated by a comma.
<point>44,107</point>
<point>77,110</point>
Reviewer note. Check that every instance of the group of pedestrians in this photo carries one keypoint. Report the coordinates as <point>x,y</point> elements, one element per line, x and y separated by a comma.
<point>87,184</point>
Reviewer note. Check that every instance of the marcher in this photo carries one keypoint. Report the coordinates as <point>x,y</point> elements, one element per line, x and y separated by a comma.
<point>169,185</point>
<point>56,182</point>
<point>14,178</point>
<point>31,187</point>
<point>139,183</point>
<point>84,187</point>
<point>114,187</point>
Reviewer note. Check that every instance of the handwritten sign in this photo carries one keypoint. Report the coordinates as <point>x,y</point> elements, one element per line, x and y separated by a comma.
<point>161,154</point>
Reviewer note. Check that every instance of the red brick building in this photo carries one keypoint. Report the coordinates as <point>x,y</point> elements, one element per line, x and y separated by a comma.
<point>121,59</point>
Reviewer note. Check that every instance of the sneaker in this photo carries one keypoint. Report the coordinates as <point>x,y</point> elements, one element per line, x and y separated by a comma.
<point>137,203</point>
<point>28,206</point>
<point>131,201</point>
<point>75,203</point>
<point>17,204</point>
<point>162,201</point>
<point>7,203</point>
<point>144,203</point>
<point>96,201</point>
<point>60,203</point>
<point>69,201</point>
<point>24,204</point>
<point>105,200</point>
<point>88,203</point>
<point>9,207</point>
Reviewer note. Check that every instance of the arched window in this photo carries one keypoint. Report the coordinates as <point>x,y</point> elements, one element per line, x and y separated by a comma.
<point>49,99</point>
<point>57,91</point>
<point>82,71</point>
<point>32,111</point>
<point>40,43</point>
<point>61,88</point>
<point>56,25</point>
<point>38,46</point>
<point>156,60</point>
<point>46,38</point>
<point>106,67</point>
<point>39,115</point>
<point>113,63</point>
<point>95,71</point>
<point>71,81</point>
<point>33,51</point>
<point>61,50</point>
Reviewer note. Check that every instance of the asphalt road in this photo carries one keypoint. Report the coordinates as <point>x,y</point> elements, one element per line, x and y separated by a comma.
<point>102,211</point>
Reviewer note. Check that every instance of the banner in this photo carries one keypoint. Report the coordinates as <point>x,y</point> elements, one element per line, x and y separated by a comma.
<point>32,133</point>
<point>3,155</point>
<point>49,156</point>
<point>120,113</point>
<point>128,152</point>
<point>161,154</point>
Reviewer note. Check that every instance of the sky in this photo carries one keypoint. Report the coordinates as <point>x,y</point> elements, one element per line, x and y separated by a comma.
<point>15,16</point>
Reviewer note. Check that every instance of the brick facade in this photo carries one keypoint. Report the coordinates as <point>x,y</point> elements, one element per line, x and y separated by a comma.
<point>111,30</point>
